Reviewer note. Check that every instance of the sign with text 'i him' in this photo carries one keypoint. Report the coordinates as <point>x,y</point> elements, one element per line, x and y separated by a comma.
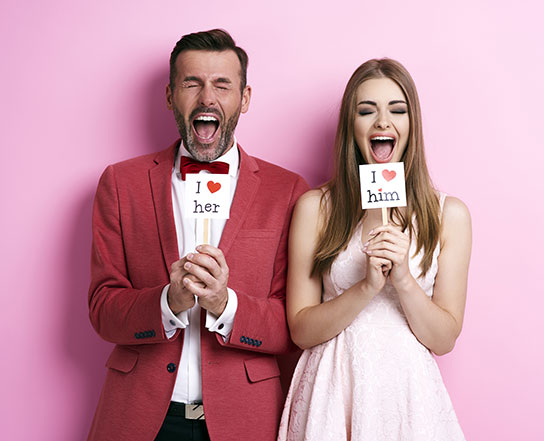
<point>207,196</point>
<point>382,185</point>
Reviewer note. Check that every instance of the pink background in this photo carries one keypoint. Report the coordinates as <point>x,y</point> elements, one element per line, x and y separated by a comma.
<point>83,86</point>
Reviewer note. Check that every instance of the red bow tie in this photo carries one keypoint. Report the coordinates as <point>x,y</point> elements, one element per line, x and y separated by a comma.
<point>190,165</point>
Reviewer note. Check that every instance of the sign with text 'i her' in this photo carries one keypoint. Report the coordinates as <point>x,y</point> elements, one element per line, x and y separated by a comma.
<point>207,196</point>
<point>382,185</point>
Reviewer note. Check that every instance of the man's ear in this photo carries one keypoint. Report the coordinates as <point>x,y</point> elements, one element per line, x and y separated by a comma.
<point>169,104</point>
<point>246,98</point>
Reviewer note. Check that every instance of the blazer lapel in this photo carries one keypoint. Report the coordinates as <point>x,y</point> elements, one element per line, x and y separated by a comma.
<point>161,188</point>
<point>246,190</point>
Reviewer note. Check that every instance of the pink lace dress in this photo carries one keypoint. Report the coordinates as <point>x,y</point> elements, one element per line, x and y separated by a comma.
<point>374,381</point>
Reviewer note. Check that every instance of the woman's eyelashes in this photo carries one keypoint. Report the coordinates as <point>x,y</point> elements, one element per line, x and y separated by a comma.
<point>364,112</point>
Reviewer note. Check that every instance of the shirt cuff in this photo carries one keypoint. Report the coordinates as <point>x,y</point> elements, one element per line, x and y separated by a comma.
<point>170,321</point>
<point>224,323</point>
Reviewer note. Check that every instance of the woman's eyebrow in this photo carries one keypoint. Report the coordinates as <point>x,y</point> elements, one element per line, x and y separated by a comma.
<point>373,103</point>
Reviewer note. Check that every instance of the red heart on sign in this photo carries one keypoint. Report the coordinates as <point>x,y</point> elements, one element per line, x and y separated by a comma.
<point>379,189</point>
<point>388,175</point>
<point>213,186</point>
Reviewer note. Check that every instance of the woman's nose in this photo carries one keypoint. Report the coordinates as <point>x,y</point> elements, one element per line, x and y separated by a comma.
<point>382,122</point>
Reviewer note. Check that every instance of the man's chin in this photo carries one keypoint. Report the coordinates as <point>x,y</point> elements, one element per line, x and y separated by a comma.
<point>206,152</point>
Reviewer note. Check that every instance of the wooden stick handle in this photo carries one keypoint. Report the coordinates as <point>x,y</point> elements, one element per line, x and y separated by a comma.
<point>384,215</point>
<point>206,240</point>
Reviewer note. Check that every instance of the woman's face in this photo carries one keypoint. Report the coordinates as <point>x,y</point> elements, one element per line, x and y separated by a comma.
<point>382,124</point>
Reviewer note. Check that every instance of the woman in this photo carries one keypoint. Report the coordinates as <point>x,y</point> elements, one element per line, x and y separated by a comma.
<point>368,303</point>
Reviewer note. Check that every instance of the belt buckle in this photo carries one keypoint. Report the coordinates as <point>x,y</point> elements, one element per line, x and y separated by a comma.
<point>194,411</point>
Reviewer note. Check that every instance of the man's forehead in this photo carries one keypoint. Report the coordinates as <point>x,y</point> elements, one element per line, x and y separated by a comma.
<point>208,63</point>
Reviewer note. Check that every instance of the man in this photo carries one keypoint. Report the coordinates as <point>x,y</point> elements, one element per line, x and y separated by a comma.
<point>195,336</point>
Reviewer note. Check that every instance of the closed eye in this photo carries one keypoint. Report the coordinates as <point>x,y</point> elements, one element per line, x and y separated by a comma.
<point>223,83</point>
<point>189,85</point>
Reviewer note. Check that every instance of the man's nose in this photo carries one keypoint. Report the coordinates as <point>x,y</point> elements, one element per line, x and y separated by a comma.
<point>207,96</point>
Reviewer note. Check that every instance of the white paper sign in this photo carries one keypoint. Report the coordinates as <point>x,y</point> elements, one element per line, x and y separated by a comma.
<point>207,196</point>
<point>382,185</point>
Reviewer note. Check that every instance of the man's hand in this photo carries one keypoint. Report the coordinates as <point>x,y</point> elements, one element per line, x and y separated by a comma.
<point>210,277</point>
<point>179,297</point>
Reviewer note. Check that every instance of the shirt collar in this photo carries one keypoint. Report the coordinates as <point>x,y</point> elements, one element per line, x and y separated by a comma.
<point>231,157</point>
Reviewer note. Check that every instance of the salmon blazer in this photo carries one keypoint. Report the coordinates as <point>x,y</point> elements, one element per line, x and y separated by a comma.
<point>134,245</point>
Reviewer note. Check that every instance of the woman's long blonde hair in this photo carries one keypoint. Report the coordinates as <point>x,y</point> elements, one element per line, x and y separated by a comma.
<point>341,197</point>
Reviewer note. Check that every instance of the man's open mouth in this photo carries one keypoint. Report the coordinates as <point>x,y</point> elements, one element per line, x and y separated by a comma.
<point>205,127</point>
<point>382,147</point>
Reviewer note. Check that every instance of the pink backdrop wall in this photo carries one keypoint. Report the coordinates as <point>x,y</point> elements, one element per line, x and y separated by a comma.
<point>83,86</point>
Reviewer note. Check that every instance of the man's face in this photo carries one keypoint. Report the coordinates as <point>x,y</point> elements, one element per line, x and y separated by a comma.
<point>207,101</point>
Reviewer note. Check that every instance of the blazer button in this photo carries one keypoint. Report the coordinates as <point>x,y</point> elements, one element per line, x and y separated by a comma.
<point>221,326</point>
<point>171,367</point>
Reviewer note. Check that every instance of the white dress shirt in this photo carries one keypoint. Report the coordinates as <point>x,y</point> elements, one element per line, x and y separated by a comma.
<point>189,231</point>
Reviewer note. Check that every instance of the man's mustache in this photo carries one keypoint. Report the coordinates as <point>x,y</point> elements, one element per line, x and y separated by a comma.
<point>203,109</point>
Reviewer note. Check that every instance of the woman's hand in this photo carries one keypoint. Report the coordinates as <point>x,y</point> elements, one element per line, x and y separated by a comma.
<point>389,243</point>
<point>377,270</point>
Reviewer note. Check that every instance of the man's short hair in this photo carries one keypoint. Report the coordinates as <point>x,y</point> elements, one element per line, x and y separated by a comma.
<point>216,40</point>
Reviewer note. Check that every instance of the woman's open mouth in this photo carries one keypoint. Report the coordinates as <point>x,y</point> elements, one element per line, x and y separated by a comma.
<point>382,147</point>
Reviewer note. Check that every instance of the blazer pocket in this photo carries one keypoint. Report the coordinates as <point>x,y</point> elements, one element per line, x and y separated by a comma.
<point>252,253</point>
<point>261,368</point>
<point>122,359</point>
<point>258,234</point>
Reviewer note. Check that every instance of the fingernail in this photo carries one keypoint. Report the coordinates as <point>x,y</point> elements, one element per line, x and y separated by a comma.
<point>190,256</point>
<point>370,232</point>
<point>365,244</point>
<point>199,248</point>
<point>187,265</point>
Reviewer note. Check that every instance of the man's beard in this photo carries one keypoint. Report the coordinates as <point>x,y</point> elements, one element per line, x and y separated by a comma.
<point>199,151</point>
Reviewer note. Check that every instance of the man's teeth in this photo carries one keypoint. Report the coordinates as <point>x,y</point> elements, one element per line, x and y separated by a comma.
<point>382,138</point>
<point>206,118</point>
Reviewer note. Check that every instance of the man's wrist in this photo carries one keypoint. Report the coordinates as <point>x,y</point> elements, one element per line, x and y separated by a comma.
<point>224,323</point>
<point>171,321</point>
<point>219,311</point>
<point>177,306</point>
<point>176,309</point>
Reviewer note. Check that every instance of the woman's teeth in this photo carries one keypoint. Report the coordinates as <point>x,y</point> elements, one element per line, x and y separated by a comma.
<point>382,147</point>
